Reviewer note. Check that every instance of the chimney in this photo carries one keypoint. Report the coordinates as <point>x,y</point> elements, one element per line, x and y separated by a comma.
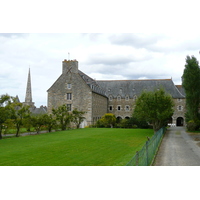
<point>69,66</point>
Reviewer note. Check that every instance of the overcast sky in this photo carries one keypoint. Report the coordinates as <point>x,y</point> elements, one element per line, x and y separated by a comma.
<point>158,35</point>
<point>110,56</point>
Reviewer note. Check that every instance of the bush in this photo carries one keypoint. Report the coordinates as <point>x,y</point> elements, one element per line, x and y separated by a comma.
<point>192,126</point>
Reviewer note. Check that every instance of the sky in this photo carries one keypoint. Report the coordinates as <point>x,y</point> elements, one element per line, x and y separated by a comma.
<point>103,56</point>
<point>112,40</point>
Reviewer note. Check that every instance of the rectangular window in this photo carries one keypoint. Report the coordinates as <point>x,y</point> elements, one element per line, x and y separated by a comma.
<point>69,86</point>
<point>118,107</point>
<point>69,96</point>
<point>110,108</point>
<point>69,106</point>
<point>127,108</point>
<point>180,108</point>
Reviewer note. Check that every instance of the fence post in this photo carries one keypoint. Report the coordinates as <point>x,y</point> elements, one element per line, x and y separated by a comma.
<point>137,158</point>
<point>147,156</point>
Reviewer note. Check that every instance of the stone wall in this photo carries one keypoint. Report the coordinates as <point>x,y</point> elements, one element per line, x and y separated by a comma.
<point>126,107</point>
<point>99,106</point>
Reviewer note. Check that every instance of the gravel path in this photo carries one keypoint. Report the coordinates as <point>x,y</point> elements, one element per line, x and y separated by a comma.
<point>178,148</point>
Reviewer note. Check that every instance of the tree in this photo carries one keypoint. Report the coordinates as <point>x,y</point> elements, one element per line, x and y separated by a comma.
<point>5,113</point>
<point>37,121</point>
<point>63,116</point>
<point>49,122</point>
<point>19,113</point>
<point>108,119</point>
<point>191,83</point>
<point>77,117</point>
<point>154,107</point>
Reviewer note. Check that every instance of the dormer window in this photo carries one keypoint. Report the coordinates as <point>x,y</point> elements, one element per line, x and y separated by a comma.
<point>127,98</point>
<point>110,98</point>
<point>118,98</point>
<point>120,90</point>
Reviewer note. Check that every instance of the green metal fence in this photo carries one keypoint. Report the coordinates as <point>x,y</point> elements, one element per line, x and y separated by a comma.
<point>145,156</point>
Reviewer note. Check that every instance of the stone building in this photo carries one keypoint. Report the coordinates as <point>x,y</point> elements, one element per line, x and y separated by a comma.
<point>28,99</point>
<point>78,90</point>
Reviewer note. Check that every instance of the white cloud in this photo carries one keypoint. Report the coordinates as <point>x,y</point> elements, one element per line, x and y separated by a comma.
<point>102,56</point>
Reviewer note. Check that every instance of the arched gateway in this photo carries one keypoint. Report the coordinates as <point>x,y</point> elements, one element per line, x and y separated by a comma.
<point>180,121</point>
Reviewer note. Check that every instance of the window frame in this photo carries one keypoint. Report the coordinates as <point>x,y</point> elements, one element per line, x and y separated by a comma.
<point>69,96</point>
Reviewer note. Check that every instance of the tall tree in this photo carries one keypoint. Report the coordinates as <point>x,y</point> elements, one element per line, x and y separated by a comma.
<point>154,107</point>
<point>191,84</point>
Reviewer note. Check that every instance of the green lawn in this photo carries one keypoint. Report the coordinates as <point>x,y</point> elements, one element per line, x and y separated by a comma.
<point>82,147</point>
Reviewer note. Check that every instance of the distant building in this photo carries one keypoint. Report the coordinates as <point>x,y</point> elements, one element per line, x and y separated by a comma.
<point>28,99</point>
<point>97,97</point>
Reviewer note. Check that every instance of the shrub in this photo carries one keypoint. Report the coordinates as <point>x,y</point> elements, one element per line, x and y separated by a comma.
<point>192,126</point>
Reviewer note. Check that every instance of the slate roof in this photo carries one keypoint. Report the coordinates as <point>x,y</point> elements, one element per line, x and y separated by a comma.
<point>181,89</point>
<point>135,87</point>
<point>92,84</point>
<point>40,110</point>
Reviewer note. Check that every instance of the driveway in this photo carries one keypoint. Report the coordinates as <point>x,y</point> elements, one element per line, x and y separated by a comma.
<point>178,148</point>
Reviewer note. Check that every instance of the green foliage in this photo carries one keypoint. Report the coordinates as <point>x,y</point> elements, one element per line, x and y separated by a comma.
<point>191,83</point>
<point>5,111</point>
<point>37,121</point>
<point>19,113</point>
<point>154,107</point>
<point>49,121</point>
<point>108,120</point>
<point>193,125</point>
<point>77,117</point>
<point>138,123</point>
<point>63,116</point>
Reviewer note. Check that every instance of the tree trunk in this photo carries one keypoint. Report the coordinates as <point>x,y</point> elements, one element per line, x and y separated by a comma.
<point>17,134</point>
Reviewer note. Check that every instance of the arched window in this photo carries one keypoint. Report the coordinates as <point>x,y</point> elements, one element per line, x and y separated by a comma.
<point>118,98</point>
<point>110,98</point>
<point>126,97</point>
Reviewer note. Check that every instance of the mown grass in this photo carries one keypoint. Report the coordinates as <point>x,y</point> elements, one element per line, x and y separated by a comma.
<point>82,147</point>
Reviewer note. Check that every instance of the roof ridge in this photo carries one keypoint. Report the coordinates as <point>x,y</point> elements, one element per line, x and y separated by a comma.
<point>137,80</point>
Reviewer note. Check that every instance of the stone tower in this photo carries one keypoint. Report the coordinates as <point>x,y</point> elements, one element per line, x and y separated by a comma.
<point>28,97</point>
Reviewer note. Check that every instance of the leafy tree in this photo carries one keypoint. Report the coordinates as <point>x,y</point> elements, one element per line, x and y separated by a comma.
<point>191,83</point>
<point>49,122</point>
<point>154,107</point>
<point>108,120</point>
<point>19,113</point>
<point>5,113</point>
<point>77,117</point>
<point>138,123</point>
<point>62,116</point>
<point>37,121</point>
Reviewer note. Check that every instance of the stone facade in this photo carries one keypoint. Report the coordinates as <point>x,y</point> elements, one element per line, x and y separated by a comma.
<point>77,90</point>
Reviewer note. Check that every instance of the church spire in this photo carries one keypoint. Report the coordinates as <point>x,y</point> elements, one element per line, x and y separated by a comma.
<point>28,97</point>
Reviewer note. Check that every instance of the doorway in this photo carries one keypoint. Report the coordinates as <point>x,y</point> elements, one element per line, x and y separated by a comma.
<point>180,121</point>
